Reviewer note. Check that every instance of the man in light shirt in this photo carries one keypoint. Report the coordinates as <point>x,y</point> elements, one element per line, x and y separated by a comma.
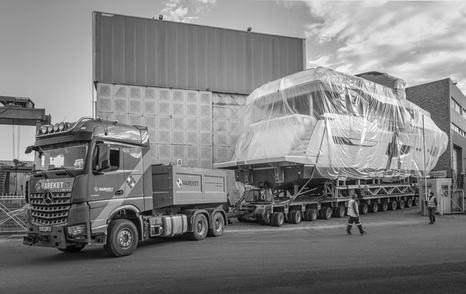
<point>353,213</point>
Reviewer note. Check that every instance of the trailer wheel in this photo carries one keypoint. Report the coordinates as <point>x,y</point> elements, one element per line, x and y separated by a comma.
<point>340,211</point>
<point>218,225</point>
<point>310,214</point>
<point>364,208</point>
<point>278,219</point>
<point>265,219</point>
<point>374,207</point>
<point>295,217</point>
<point>200,227</point>
<point>401,204</point>
<point>326,212</point>
<point>384,206</point>
<point>393,205</point>
<point>409,203</point>
<point>72,248</point>
<point>122,238</point>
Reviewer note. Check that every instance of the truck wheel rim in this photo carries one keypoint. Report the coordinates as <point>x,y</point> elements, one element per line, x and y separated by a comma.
<point>125,238</point>
<point>218,225</point>
<point>200,227</point>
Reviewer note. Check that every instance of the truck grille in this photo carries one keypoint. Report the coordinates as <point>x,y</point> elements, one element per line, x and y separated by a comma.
<point>51,209</point>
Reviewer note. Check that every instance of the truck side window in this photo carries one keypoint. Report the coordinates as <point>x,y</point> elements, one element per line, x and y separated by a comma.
<point>114,158</point>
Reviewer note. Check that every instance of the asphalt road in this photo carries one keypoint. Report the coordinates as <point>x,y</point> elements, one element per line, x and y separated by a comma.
<point>400,254</point>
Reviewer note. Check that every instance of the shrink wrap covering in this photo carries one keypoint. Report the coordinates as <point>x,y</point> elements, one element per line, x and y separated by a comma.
<point>343,125</point>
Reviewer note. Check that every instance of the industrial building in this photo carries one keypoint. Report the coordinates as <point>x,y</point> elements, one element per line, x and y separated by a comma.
<point>188,83</point>
<point>447,107</point>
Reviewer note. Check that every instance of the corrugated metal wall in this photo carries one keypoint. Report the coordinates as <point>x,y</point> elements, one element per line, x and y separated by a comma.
<point>148,52</point>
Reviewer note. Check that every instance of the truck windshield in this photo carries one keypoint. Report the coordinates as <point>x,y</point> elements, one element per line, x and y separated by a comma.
<point>68,156</point>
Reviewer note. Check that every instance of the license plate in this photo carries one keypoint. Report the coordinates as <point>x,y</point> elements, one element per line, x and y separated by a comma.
<point>45,229</point>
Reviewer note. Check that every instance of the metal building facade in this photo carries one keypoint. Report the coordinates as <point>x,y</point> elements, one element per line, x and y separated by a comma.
<point>148,52</point>
<point>187,83</point>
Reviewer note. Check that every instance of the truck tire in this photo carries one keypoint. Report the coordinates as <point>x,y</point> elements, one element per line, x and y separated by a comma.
<point>416,201</point>
<point>218,225</point>
<point>384,206</point>
<point>401,204</point>
<point>393,205</point>
<point>200,227</point>
<point>364,208</point>
<point>72,248</point>
<point>295,217</point>
<point>122,238</point>
<point>409,203</point>
<point>278,219</point>
<point>374,207</point>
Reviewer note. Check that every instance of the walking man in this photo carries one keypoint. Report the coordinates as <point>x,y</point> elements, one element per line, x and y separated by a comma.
<point>431,204</point>
<point>353,212</point>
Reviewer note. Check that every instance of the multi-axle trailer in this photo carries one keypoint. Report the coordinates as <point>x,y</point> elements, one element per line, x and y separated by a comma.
<point>326,199</point>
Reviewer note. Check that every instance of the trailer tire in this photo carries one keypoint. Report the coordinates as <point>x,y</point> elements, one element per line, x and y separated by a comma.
<point>340,211</point>
<point>409,203</point>
<point>310,214</point>
<point>384,206</point>
<point>200,227</point>
<point>401,204</point>
<point>326,212</point>
<point>364,208</point>
<point>72,248</point>
<point>122,238</point>
<point>278,219</point>
<point>295,217</point>
<point>393,205</point>
<point>375,207</point>
<point>218,225</point>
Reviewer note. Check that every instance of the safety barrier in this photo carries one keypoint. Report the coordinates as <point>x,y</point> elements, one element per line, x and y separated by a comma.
<point>12,214</point>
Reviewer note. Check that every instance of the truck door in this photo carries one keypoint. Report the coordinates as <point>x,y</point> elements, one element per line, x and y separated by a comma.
<point>106,187</point>
<point>132,165</point>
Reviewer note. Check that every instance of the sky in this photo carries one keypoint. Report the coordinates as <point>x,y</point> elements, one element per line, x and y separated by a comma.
<point>46,45</point>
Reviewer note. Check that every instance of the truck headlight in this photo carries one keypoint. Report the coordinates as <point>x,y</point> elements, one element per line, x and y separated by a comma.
<point>76,230</point>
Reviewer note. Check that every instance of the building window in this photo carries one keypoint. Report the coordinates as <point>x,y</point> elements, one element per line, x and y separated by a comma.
<point>456,106</point>
<point>458,130</point>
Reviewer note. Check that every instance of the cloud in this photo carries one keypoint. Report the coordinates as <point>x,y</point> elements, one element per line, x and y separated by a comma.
<point>416,41</point>
<point>185,10</point>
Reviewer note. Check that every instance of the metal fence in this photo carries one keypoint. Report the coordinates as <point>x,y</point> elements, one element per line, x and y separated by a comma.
<point>12,214</point>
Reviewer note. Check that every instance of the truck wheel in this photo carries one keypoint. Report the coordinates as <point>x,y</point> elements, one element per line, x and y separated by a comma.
<point>393,205</point>
<point>200,227</point>
<point>364,208</point>
<point>72,248</point>
<point>122,238</point>
<point>416,201</point>
<point>278,219</point>
<point>218,225</point>
<point>295,217</point>
<point>374,207</point>
<point>409,203</point>
<point>401,204</point>
<point>340,211</point>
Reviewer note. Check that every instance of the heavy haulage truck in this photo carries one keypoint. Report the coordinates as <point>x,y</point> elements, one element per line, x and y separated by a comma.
<point>313,138</point>
<point>93,184</point>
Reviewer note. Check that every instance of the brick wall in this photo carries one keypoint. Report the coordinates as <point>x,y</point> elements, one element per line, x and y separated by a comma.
<point>434,97</point>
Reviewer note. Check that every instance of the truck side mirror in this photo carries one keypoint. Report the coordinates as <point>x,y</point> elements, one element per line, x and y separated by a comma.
<point>103,157</point>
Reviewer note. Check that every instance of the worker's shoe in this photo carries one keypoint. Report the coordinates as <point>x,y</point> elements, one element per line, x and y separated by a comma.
<point>348,230</point>
<point>363,233</point>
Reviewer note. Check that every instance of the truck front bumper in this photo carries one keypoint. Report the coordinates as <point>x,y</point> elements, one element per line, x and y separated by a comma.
<point>56,238</point>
